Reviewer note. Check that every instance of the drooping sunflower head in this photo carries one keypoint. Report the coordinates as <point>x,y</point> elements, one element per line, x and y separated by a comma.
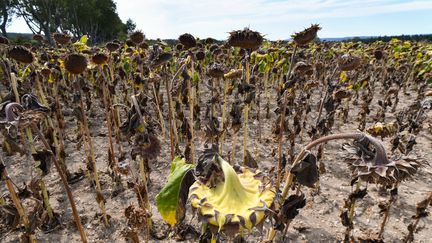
<point>233,200</point>
<point>216,70</point>
<point>62,38</point>
<point>303,69</point>
<point>137,37</point>
<point>112,46</point>
<point>21,54</point>
<point>100,58</point>
<point>4,40</point>
<point>200,55</point>
<point>38,37</point>
<point>307,35</point>
<point>75,63</point>
<point>187,40</point>
<point>371,163</point>
<point>348,62</point>
<point>245,38</point>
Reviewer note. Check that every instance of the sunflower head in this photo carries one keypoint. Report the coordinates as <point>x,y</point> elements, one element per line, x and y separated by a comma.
<point>378,54</point>
<point>38,37</point>
<point>21,54</point>
<point>100,58</point>
<point>144,45</point>
<point>371,163</point>
<point>348,62</point>
<point>137,37</point>
<point>112,46</point>
<point>245,38</point>
<point>4,40</point>
<point>75,63</point>
<point>216,70</point>
<point>307,35</point>
<point>187,40</point>
<point>303,69</point>
<point>235,201</point>
<point>200,55</point>
<point>62,38</point>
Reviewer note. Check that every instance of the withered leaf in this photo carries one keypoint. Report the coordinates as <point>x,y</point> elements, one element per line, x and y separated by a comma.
<point>187,181</point>
<point>291,206</point>
<point>306,172</point>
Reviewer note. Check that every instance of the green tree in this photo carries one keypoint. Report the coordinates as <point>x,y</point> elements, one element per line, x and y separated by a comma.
<point>7,10</point>
<point>42,16</point>
<point>130,26</point>
<point>97,19</point>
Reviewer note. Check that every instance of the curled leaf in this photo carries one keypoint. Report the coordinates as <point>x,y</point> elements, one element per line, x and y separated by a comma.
<point>171,200</point>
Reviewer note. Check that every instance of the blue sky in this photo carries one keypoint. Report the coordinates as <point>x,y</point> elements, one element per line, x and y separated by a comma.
<point>276,19</point>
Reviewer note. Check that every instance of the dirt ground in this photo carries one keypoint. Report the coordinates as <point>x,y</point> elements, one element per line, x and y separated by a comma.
<point>318,221</point>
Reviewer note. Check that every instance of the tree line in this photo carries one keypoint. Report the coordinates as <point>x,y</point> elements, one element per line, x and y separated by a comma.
<point>98,19</point>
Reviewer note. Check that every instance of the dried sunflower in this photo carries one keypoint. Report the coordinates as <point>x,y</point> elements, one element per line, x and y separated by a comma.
<point>303,68</point>
<point>4,40</point>
<point>307,35</point>
<point>348,62</point>
<point>100,58</point>
<point>75,63</point>
<point>111,46</point>
<point>235,202</point>
<point>187,40</point>
<point>200,55</point>
<point>21,54</point>
<point>38,37</point>
<point>21,117</point>
<point>61,38</point>
<point>216,70</point>
<point>137,37</point>
<point>378,54</point>
<point>371,163</point>
<point>246,39</point>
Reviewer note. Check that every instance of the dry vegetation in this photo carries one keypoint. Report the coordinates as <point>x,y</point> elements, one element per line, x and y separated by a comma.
<point>249,140</point>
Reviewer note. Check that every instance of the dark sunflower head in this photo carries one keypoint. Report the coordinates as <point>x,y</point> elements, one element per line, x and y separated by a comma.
<point>245,38</point>
<point>100,58</point>
<point>62,38</point>
<point>370,163</point>
<point>187,40</point>
<point>46,72</point>
<point>129,42</point>
<point>38,37</point>
<point>302,68</point>
<point>112,46</point>
<point>75,63</point>
<point>307,35</point>
<point>21,54</point>
<point>179,47</point>
<point>348,62</point>
<point>144,45</point>
<point>200,55</point>
<point>216,70</point>
<point>378,54</point>
<point>4,40</point>
<point>137,37</point>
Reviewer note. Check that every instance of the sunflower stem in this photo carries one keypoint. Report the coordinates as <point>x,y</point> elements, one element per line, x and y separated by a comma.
<point>290,178</point>
<point>16,200</point>
<point>66,186</point>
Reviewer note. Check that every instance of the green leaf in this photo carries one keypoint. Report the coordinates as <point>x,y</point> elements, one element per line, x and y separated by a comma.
<point>195,78</point>
<point>171,200</point>
<point>84,39</point>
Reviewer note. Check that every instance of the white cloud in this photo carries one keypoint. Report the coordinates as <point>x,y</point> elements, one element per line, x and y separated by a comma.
<point>278,19</point>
